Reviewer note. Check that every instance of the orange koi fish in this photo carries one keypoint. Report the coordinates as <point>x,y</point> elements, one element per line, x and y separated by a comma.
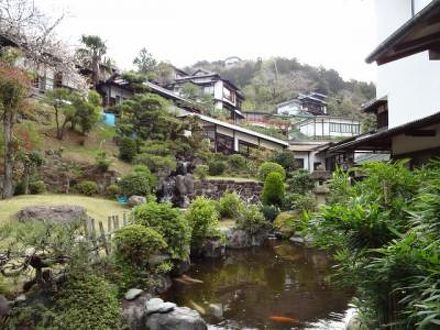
<point>283,319</point>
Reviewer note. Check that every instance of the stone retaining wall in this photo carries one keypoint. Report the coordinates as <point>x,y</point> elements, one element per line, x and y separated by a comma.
<point>248,190</point>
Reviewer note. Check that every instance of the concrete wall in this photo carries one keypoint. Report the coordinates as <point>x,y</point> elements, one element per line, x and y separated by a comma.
<point>309,159</point>
<point>412,84</point>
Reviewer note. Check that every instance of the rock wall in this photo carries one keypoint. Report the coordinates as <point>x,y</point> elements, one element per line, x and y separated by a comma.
<point>249,191</point>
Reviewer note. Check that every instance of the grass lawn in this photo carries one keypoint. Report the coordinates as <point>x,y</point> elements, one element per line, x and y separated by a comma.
<point>230,178</point>
<point>97,208</point>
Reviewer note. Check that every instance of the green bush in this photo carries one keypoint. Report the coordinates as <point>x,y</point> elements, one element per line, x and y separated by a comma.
<point>127,149</point>
<point>237,162</point>
<point>299,202</point>
<point>286,159</point>
<point>139,183</point>
<point>269,167</point>
<point>37,187</point>
<point>201,172</point>
<point>88,188</point>
<point>216,167</point>
<point>102,161</point>
<point>156,163</point>
<point>169,222</point>
<point>135,244</point>
<point>86,301</point>
<point>229,205</point>
<point>300,182</point>
<point>273,190</point>
<point>113,190</point>
<point>252,220</point>
<point>203,218</point>
<point>270,212</point>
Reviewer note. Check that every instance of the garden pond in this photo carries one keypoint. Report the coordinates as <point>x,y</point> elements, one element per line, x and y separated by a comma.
<point>277,286</point>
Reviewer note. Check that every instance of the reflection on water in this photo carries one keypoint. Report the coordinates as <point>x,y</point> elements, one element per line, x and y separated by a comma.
<point>279,286</point>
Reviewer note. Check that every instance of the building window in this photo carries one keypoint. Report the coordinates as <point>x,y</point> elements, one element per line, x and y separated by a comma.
<point>299,163</point>
<point>229,95</point>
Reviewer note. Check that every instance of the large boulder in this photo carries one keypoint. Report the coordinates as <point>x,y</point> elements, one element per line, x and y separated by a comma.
<point>136,200</point>
<point>133,311</point>
<point>4,307</point>
<point>56,214</point>
<point>212,248</point>
<point>182,318</point>
<point>240,239</point>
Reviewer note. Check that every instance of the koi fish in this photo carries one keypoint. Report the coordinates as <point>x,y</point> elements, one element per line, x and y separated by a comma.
<point>283,319</point>
<point>190,279</point>
<point>197,307</point>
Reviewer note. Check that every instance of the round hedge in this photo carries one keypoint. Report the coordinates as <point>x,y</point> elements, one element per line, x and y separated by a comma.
<point>269,167</point>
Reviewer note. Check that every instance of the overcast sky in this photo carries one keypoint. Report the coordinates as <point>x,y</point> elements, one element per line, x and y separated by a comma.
<point>336,34</point>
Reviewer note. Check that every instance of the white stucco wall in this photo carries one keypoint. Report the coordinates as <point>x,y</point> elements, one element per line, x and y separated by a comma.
<point>412,84</point>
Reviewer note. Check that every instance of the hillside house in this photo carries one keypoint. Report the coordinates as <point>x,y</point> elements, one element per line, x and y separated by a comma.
<point>408,104</point>
<point>312,103</point>
<point>328,127</point>
<point>226,96</point>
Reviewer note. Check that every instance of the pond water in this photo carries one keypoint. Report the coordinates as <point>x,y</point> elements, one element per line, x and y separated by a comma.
<point>278,286</point>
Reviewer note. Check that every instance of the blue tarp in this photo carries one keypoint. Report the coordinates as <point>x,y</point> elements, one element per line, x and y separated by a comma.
<point>109,119</point>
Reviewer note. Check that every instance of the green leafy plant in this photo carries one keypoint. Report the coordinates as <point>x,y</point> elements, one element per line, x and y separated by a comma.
<point>86,301</point>
<point>113,190</point>
<point>169,222</point>
<point>216,167</point>
<point>269,167</point>
<point>127,149</point>
<point>273,190</point>
<point>135,244</point>
<point>203,218</point>
<point>88,188</point>
<point>252,220</point>
<point>286,159</point>
<point>270,212</point>
<point>140,182</point>
<point>201,172</point>
<point>299,182</point>
<point>156,163</point>
<point>299,202</point>
<point>237,162</point>
<point>229,205</point>
<point>103,162</point>
<point>37,187</point>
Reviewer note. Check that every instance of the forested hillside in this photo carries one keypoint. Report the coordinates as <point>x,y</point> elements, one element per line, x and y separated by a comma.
<point>266,83</point>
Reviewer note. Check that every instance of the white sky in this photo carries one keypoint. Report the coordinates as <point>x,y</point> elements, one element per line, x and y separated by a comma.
<point>336,34</point>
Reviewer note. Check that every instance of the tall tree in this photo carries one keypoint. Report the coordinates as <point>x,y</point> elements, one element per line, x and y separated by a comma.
<point>14,89</point>
<point>91,55</point>
<point>145,62</point>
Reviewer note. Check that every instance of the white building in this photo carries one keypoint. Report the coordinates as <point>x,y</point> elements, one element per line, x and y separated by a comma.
<point>226,95</point>
<point>326,127</point>
<point>408,83</point>
<point>307,154</point>
<point>305,104</point>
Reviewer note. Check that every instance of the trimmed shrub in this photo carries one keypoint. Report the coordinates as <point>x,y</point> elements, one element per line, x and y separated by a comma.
<point>88,188</point>
<point>286,159</point>
<point>102,161</point>
<point>273,190</point>
<point>237,162</point>
<point>252,220</point>
<point>270,212</point>
<point>201,172</point>
<point>169,222</point>
<point>135,244</point>
<point>37,187</point>
<point>137,183</point>
<point>229,205</point>
<point>216,167</point>
<point>269,167</point>
<point>127,149</point>
<point>113,190</point>
<point>87,301</point>
<point>156,163</point>
<point>203,218</point>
